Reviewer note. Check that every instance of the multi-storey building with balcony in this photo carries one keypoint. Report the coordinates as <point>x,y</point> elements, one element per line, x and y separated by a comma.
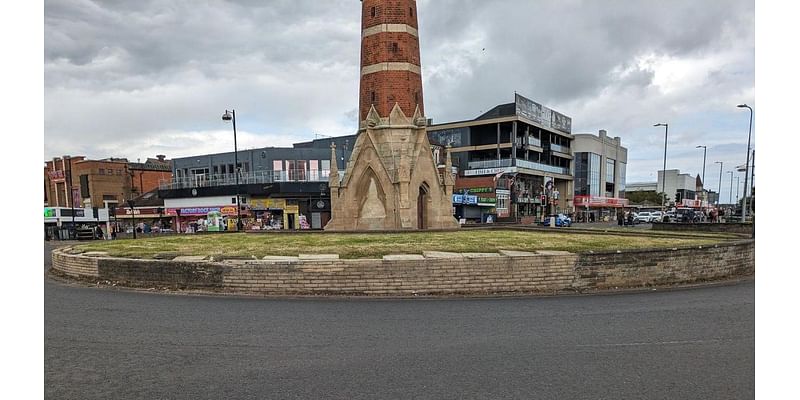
<point>523,144</point>
<point>278,188</point>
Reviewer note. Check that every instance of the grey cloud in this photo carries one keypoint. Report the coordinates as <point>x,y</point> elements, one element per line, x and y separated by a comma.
<point>147,69</point>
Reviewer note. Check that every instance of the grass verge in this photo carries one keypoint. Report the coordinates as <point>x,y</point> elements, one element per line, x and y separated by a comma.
<point>375,245</point>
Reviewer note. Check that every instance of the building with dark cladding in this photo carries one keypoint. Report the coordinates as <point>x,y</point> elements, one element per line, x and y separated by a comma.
<point>525,147</point>
<point>275,183</point>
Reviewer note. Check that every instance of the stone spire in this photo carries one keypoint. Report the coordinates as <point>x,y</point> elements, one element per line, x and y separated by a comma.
<point>333,179</point>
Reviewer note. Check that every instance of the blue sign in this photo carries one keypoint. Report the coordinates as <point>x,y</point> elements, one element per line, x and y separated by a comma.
<point>462,199</point>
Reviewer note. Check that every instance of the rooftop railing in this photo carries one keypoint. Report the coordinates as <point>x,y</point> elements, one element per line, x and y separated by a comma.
<point>249,178</point>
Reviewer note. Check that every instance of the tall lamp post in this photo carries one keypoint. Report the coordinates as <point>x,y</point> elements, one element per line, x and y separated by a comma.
<point>132,204</point>
<point>730,191</point>
<point>704,163</point>
<point>231,116</point>
<point>719,187</point>
<point>747,165</point>
<point>664,173</point>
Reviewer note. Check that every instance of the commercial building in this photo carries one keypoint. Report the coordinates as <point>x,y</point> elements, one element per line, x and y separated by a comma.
<point>525,146</point>
<point>600,166</point>
<point>89,189</point>
<point>682,190</point>
<point>279,188</point>
<point>100,183</point>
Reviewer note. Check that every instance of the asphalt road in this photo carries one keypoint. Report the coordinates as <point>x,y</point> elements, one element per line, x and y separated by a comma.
<point>681,344</point>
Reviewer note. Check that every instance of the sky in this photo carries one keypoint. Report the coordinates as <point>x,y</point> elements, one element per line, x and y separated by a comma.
<point>138,78</point>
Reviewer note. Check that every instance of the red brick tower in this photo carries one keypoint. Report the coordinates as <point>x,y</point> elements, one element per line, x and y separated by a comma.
<point>390,62</point>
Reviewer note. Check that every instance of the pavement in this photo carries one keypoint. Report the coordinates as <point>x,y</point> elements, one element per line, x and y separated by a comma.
<point>681,344</point>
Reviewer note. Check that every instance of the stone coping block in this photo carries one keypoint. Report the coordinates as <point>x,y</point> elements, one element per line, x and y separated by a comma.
<point>95,254</point>
<point>441,254</point>
<point>553,253</point>
<point>281,258</point>
<point>190,258</point>
<point>515,253</point>
<point>318,256</point>
<point>403,257</point>
<point>481,255</point>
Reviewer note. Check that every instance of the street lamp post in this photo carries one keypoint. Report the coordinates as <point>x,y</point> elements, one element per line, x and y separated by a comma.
<point>730,191</point>
<point>737,191</point>
<point>719,187</point>
<point>664,173</point>
<point>747,165</point>
<point>231,116</point>
<point>131,204</point>
<point>704,163</point>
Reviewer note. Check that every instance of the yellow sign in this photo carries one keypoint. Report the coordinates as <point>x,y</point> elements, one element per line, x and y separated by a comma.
<point>278,204</point>
<point>292,209</point>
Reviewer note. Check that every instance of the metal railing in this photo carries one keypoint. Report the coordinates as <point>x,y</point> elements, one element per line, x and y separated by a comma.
<point>559,148</point>
<point>506,162</point>
<point>249,178</point>
<point>542,167</point>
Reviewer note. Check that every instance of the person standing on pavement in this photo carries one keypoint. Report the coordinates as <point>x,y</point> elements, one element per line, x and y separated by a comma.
<point>621,217</point>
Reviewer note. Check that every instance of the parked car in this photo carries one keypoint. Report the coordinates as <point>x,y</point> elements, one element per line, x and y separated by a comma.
<point>656,216</point>
<point>561,220</point>
<point>669,216</point>
<point>643,217</point>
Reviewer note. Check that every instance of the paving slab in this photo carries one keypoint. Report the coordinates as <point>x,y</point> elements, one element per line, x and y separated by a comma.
<point>318,256</point>
<point>441,254</point>
<point>403,257</point>
<point>515,253</point>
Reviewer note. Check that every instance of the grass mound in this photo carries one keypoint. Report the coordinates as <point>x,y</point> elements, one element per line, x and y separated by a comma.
<point>376,245</point>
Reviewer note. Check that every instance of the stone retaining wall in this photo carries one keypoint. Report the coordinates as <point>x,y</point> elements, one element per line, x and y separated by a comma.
<point>432,274</point>
<point>728,227</point>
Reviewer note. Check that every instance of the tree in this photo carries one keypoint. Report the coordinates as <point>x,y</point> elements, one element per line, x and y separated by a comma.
<point>646,196</point>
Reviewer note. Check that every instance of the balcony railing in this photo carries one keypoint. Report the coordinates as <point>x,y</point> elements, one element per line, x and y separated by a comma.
<point>258,177</point>
<point>490,163</point>
<point>519,163</point>
<point>559,148</point>
<point>542,167</point>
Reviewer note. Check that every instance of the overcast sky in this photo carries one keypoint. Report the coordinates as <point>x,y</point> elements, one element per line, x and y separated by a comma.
<point>139,78</point>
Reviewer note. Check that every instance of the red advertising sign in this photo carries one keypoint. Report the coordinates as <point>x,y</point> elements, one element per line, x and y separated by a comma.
<point>596,201</point>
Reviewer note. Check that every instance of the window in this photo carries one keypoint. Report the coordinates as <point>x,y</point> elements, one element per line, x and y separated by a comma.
<point>416,97</point>
<point>394,47</point>
<point>610,170</point>
<point>594,174</point>
<point>372,12</point>
<point>119,172</point>
<point>372,95</point>
<point>102,171</point>
<point>110,171</point>
<point>411,11</point>
<point>230,169</point>
<point>233,200</point>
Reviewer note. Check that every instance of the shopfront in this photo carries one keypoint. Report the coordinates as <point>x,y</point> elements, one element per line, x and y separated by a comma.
<point>271,213</point>
<point>598,209</point>
<point>147,219</point>
<point>211,219</point>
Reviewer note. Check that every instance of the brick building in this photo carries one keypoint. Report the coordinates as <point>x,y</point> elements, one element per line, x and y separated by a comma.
<point>80,183</point>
